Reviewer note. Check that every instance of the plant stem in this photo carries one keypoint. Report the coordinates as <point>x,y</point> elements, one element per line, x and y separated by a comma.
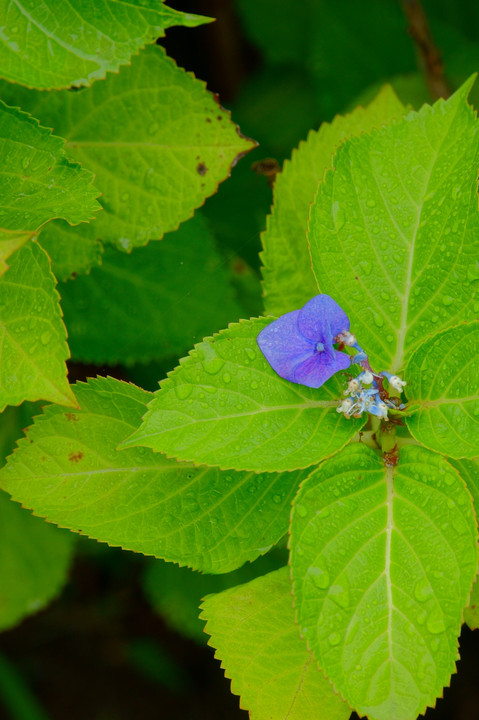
<point>429,55</point>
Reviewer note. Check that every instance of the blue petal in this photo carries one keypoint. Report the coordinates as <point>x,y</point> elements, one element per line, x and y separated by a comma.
<point>283,345</point>
<point>314,371</point>
<point>321,319</point>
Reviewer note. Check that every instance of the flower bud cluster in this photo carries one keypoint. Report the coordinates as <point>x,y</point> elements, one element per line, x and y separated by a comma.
<point>362,395</point>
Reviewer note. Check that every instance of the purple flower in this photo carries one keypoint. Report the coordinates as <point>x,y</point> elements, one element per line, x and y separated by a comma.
<point>299,345</point>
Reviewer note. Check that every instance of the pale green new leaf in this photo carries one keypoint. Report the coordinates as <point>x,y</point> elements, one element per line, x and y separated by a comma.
<point>153,303</point>
<point>50,44</point>
<point>442,378</point>
<point>34,556</point>
<point>37,181</point>
<point>288,280</point>
<point>383,559</point>
<point>33,347</point>
<point>69,471</point>
<point>157,140</point>
<point>225,405</point>
<point>72,250</point>
<point>393,229</point>
<point>252,626</point>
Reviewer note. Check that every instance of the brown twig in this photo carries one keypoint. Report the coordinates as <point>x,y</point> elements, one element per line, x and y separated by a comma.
<point>429,55</point>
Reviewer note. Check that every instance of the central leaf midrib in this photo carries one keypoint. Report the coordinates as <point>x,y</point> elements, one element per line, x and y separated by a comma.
<point>398,360</point>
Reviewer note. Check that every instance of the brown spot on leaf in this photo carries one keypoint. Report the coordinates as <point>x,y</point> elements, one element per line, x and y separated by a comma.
<point>208,119</point>
<point>75,457</point>
<point>71,417</point>
<point>201,168</point>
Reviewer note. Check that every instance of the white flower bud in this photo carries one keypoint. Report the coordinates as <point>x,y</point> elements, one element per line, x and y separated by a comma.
<point>396,383</point>
<point>366,377</point>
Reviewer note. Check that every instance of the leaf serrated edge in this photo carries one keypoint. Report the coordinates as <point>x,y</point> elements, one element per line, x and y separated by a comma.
<point>314,136</point>
<point>293,583</point>
<point>191,18</point>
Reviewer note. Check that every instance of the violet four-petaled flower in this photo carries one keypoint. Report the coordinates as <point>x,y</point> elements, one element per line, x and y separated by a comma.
<point>299,345</point>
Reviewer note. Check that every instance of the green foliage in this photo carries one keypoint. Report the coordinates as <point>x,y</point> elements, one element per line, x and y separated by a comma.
<point>203,472</point>
<point>34,556</point>
<point>383,560</point>
<point>72,250</point>
<point>224,405</point>
<point>398,216</point>
<point>252,626</point>
<point>56,44</point>
<point>285,241</point>
<point>177,290</point>
<point>176,592</point>
<point>34,560</point>
<point>69,471</point>
<point>153,167</point>
<point>38,182</point>
<point>441,375</point>
<point>33,339</point>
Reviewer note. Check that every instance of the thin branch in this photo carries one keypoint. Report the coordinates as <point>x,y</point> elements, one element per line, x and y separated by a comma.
<point>429,55</point>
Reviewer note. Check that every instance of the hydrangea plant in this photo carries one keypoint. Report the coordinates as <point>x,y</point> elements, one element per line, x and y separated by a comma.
<point>345,418</point>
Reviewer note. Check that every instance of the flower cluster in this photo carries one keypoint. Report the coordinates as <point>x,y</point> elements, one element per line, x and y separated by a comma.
<point>299,346</point>
<point>365,395</point>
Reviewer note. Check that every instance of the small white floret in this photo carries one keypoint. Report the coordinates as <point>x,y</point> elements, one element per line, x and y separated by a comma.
<point>396,383</point>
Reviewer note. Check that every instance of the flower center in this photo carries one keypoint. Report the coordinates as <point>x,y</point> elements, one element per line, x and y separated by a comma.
<point>319,347</point>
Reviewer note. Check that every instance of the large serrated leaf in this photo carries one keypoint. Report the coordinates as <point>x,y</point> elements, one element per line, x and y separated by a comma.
<point>252,626</point>
<point>399,217</point>
<point>153,303</point>
<point>442,377</point>
<point>224,405</point>
<point>153,166</point>
<point>50,44</point>
<point>68,471</point>
<point>34,556</point>
<point>284,241</point>
<point>383,559</point>
<point>33,347</point>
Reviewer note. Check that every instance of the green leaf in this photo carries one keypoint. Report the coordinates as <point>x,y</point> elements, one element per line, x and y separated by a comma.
<point>153,166</point>
<point>442,379</point>
<point>383,559</point>
<point>34,556</point>
<point>153,303</point>
<point>224,405</point>
<point>32,335</point>
<point>37,181</point>
<point>469,472</point>
<point>176,592</point>
<point>398,216</point>
<point>284,241</point>
<point>252,626</point>
<point>50,45</point>
<point>34,561</point>
<point>10,241</point>
<point>69,472</point>
<point>72,250</point>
